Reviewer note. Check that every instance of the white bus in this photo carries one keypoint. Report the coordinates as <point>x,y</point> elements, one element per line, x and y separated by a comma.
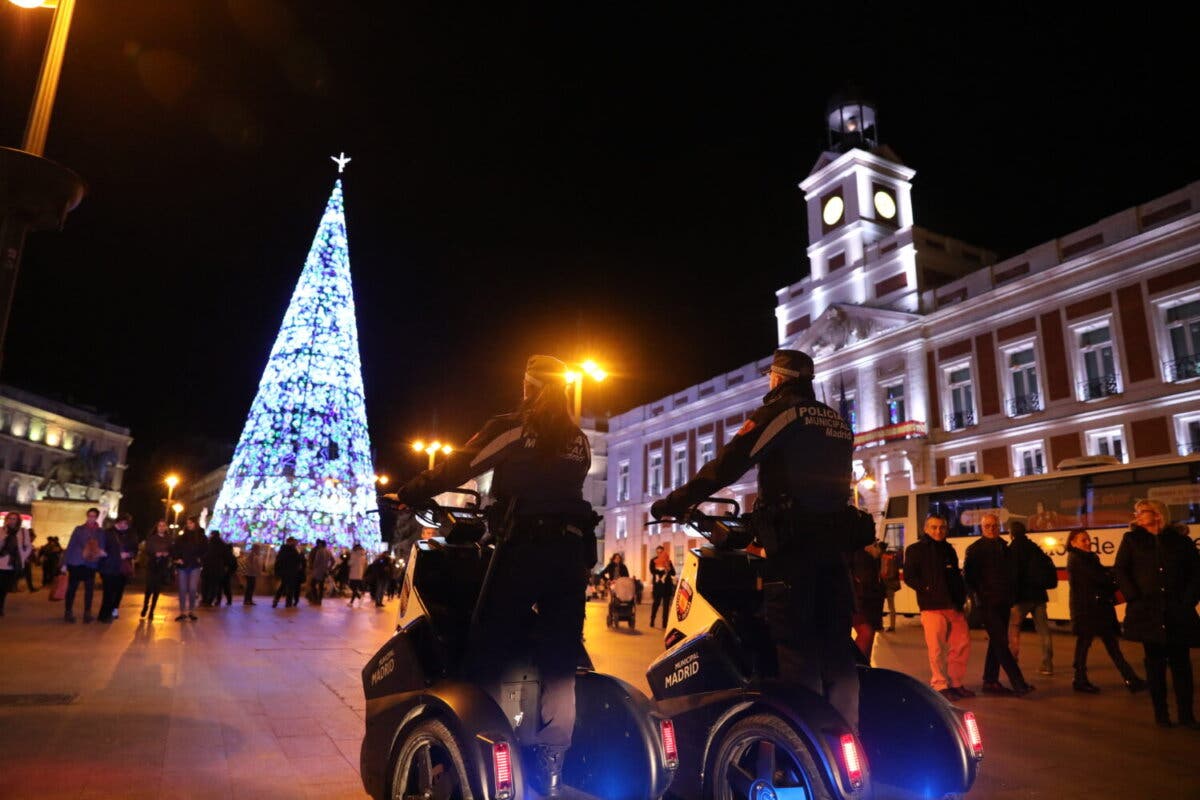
<point>1094,494</point>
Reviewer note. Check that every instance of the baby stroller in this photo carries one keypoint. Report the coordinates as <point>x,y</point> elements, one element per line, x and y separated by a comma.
<point>621,605</point>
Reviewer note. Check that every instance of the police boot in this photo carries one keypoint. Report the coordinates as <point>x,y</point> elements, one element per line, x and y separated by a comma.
<point>547,769</point>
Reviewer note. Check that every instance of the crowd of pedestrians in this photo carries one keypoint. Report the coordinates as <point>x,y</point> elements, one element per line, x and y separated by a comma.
<point>202,568</point>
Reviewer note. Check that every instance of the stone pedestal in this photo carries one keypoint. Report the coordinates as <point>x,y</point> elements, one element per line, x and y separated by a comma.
<point>58,517</point>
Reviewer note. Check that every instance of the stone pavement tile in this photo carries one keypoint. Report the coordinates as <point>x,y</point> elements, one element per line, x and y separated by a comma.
<point>288,727</point>
<point>195,785</point>
<point>349,748</point>
<point>308,747</point>
<point>191,733</point>
<point>342,724</point>
<point>324,769</point>
<point>335,791</point>
<point>188,757</point>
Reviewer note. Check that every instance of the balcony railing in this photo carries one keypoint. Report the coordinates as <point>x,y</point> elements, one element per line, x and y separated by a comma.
<point>1181,369</point>
<point>1100,387</point>
<point>1024,404</point>
<point>1021,472</point>
<point>959,420</point>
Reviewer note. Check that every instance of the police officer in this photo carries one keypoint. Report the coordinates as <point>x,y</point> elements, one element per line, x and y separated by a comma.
<point>803,450</point>
<point>540,458</point>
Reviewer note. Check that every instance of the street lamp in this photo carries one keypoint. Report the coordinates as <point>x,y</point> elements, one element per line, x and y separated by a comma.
<point>575,377</point>
<point>432,449</point>
<point>171,481</point>
<point>177,507</point>
<point>382,480</point>
<point>35,193</point>
<point>866,481</point>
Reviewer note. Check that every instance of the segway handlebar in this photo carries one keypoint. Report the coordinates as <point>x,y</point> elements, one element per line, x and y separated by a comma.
<point>457,524</point>
<point>729,531</point>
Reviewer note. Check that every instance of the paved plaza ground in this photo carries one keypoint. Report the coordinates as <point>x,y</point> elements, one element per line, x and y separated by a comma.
<point>255,702</point>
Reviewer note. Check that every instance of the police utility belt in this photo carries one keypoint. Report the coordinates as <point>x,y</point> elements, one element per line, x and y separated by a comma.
<point>781,524</point>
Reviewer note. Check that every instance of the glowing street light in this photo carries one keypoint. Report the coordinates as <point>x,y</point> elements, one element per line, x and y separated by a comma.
<point>171,481</point>
<point>177,507</point>
<point>382,480</point>
<point>431,449</point>
<point>47,85</point>
<point>575,377</point>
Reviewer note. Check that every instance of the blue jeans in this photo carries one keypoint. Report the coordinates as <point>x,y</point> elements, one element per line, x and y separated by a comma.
<point>189,587</point>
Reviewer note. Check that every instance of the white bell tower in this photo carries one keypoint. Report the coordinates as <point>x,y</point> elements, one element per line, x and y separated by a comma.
<point>858,193</point>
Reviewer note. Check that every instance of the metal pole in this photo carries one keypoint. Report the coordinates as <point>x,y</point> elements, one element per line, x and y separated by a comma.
<point>47,86</point>
<point>578,399</point>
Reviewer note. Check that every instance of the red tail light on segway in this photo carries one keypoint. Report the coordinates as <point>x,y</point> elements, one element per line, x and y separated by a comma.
<point>974,737</point>
<point>666,731</point>
<point>502,763</point>
<point>852,761</point>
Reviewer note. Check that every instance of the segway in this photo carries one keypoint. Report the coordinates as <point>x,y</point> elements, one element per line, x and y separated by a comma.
<point>432,732</point>
<point>742,734</point>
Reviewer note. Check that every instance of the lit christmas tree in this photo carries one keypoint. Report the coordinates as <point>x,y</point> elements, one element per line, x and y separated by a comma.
<point>303,464</point>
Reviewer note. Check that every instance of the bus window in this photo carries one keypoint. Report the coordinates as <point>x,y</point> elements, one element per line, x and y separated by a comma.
<point>960,507</point>
<point>1111,495</point>
<point>893,534</point>
<point>1046,505</point>
<point>897,507</point>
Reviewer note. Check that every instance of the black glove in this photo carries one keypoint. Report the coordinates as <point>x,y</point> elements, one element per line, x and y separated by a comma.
<point>661,509</point>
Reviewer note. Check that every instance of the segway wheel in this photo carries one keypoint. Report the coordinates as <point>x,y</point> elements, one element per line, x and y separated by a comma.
<point>762,756</point>
<point>430,764</point>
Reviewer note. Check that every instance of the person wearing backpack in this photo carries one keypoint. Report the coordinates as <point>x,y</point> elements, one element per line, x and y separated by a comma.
<point>1035,573</point>
<point>889,573</point>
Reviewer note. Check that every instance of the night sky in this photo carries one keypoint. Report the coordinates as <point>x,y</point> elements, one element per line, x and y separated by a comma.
<point>617,182</point>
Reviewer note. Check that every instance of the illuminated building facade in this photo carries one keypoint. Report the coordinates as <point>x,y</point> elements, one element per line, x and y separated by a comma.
<point>80,449</point>
<point>302,466</point>
<point>945,360</point>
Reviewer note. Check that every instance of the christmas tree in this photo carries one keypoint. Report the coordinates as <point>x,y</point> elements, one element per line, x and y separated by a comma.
<point>302,466</point>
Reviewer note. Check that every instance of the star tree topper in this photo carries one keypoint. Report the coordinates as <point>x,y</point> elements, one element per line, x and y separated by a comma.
<point>341,159</point>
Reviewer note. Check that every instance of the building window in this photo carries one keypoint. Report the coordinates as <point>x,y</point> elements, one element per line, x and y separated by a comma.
<point>707,450</point>
<point>678,554</point>
<point>848,409</point>
<point>623,482</point>
<point>960,397</point>
<point>893,403</point>
<point>622,527</point>
<point>1108,442</point>
<point>732,431</point>
<point>1029,459</point>
<point>962,465</point>
<point>1024,395</point>
<point>37,429</point>
<point>1187,434</point>
<point>678,466</point>
<point>656,472</point>
<point>1097,362</point>
<point>1183,331</point>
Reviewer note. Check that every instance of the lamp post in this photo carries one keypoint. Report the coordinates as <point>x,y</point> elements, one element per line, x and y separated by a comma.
<point>575,378</point>
<point>171,481</point>
<point>431,449</point>
<point>177,507</point>
<point>382,480</point>
<point>35,193</point>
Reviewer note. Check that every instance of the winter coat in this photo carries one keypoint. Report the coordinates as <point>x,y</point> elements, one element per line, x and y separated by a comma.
<point>869,591</point>
<point>10,554</point>
<point>189,547</point>
<point>1160,578</point>
<point>77,543</point>
<point>111,563</point>
<point>1092,587</point>
<point>1034,571</point>
<point>931,569</point>
<point>321,561</point>
<point>288,562</point>
<point>216,556</point>
<point>358,564</point>
<point>615,570</point>
<point>988,571</point>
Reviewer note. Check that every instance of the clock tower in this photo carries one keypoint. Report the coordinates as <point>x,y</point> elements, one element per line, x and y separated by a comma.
<point>857,194</point>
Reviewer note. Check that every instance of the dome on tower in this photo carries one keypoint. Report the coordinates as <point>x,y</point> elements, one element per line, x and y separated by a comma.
<point>850,119</point>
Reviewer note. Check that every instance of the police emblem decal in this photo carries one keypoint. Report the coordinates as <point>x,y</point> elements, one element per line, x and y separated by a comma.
<point>683,601</point>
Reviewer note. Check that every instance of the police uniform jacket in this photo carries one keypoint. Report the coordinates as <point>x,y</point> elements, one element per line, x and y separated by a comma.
<point>1160,578</point>
<point>541,484</point>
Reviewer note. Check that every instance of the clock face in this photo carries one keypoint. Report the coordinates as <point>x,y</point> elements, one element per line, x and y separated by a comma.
<point>885,205</point>
<point>833,210</point>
